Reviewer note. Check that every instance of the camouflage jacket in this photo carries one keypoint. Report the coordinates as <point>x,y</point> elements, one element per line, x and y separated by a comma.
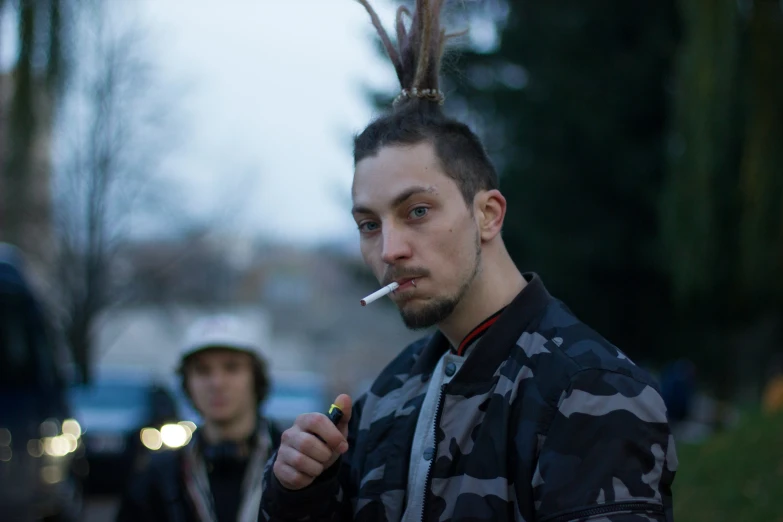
<point>546,422</point>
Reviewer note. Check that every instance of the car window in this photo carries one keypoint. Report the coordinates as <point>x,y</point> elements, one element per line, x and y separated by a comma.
<point>109,395</point>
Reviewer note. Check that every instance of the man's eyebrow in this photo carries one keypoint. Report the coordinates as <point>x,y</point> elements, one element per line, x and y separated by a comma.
<point>398,200</point>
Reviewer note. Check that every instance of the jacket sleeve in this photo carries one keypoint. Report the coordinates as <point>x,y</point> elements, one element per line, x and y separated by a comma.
<point>608,453</point>
<point>327,499</point>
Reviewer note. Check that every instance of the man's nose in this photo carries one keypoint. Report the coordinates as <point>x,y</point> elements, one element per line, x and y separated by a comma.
<point>395,246</point>
<point>217,378</point>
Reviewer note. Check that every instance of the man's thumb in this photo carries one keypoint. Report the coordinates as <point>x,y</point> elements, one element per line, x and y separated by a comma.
<point>344,402</point>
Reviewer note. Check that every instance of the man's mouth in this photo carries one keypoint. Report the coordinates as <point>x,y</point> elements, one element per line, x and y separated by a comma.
<point>406,283</point>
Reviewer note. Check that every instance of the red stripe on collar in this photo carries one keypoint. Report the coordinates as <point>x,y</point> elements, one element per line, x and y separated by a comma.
<point>478,331</point>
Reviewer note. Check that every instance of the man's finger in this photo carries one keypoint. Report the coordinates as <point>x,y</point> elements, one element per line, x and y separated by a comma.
<point>289,477</point>
<point>310,445</point>
<point>300,462</point>
<point>319,425</point>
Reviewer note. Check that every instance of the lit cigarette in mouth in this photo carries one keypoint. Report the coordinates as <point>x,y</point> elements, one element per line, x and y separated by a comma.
<point>386,290</point>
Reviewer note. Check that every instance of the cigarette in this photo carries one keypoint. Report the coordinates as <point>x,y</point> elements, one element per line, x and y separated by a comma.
<point>391,287</point>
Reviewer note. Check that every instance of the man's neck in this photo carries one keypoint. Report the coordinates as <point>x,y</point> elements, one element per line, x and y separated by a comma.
<point>495,286</point>
<point>236,430</point>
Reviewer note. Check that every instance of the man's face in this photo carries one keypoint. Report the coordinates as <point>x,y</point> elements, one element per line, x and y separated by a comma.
<point>221,384</point>
<point>416,229</point>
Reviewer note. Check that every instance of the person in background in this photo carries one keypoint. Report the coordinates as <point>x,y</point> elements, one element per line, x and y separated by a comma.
<point>678,389</point>
<point>217,477</point>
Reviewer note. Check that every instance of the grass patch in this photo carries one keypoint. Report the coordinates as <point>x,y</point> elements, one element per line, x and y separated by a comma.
<point>734,476</point>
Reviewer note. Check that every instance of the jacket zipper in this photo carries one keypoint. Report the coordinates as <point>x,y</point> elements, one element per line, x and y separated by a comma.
<point>617,507</point>
<point>434,453</point>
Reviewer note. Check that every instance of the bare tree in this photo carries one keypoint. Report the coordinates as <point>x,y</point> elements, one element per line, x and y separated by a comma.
<point>110,133</point>
<point>29,95</point>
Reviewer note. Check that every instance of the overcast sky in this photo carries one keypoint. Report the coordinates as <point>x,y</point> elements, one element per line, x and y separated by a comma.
<point>271,92</point>
<point>275,90</point>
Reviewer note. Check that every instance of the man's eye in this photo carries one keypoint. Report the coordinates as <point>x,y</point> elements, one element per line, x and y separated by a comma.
<point>368,226</point>
<point>419,212</point>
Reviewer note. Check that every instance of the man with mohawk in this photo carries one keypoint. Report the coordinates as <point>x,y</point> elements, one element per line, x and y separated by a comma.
<point>513,409</point>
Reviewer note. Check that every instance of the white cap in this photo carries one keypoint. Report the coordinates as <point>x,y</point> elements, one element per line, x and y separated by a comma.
<point>220,331</point>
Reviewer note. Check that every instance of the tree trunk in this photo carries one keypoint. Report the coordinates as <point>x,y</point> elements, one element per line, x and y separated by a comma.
<point>761,172</point>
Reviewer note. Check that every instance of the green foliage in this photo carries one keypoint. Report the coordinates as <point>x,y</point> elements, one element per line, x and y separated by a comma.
<point>573,106</point>
<point>736,475</point>
<point>761,171</point>
<point>722,221</point>
<point>639,149</point>
<point>698,200</point>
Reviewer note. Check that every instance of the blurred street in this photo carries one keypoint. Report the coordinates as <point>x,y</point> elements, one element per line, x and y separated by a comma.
<point>100,509</point>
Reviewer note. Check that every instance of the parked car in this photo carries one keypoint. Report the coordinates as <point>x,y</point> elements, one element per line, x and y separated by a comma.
<point>119,412</point>
<point>39,441</point>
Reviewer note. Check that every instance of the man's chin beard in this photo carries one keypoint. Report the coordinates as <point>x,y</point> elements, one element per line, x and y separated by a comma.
<point>438,310</point>
<point>429,315</point>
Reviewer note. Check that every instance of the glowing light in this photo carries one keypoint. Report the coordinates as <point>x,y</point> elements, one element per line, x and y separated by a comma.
<point>50,428</point>
<point>72,427</point>
<point>151,438</point>
<point>35,448</point>
<point>190,425</point>
<point>71,440</point>
<point>5,437</point>
<point>51,474</point>
<point>174,435</point>
<point>5,453</point>
<point>56,446</point>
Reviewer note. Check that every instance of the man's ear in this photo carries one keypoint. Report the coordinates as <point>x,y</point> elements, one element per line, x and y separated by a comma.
<point>490,210</point>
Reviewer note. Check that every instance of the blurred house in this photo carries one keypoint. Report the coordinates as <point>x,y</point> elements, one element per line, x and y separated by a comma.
<point>148,336</point>
<point>304,302</point>
<point>313,297</point>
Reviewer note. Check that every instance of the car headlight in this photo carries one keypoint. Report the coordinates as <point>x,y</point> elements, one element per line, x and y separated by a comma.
<point>174,435</point>
<point>58,446</point>
<point>71,427</point>
<point>169,435</point>
<point>151,438</point>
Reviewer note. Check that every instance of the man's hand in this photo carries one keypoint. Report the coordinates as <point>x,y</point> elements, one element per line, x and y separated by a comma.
<point>302,456</point>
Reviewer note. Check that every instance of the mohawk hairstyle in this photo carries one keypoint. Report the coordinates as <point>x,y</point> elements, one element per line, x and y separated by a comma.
<point>417,116</point>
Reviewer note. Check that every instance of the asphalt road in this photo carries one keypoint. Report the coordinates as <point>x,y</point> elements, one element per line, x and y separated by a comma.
<point>100,509</point>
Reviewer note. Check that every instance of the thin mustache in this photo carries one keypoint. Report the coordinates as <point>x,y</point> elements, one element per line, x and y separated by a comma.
<point>390,278</point>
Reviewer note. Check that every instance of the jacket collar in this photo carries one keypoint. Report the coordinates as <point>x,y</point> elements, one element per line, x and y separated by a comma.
<point>496,344</point>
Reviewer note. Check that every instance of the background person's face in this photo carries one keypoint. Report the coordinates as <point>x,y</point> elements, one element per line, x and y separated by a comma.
<point>221,384</point>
